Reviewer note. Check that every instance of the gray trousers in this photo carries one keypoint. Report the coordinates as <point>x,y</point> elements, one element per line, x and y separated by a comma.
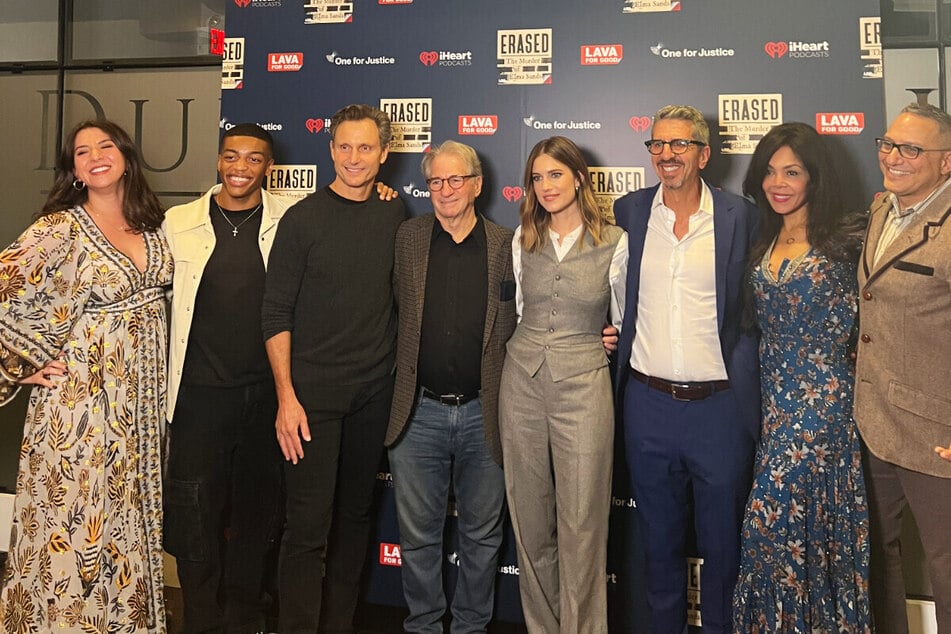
<point>557,443</point>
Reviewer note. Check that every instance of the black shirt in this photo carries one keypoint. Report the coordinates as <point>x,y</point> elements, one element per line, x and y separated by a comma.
<point>450,347</point>
<point>225,347</point>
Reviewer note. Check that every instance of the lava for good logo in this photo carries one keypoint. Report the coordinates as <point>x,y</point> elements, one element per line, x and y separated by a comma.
<point>428,58</point>
<point>840,122</point>
<point>314,125</point>
<point>639,124</point>
<point>512,194</point>
<point>601,54</point>
<point>242,3</point>
<point>480,124</point>
<point>390,555</point>
<point>775,49</point>
<point>284,62</point>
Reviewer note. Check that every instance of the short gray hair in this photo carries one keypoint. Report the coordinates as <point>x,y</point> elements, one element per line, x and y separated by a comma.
<point>701,132</point>
<point>928,111</point>
<point>463,151</point>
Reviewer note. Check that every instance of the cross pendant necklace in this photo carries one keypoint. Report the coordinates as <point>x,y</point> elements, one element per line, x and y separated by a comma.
<point>234,227</point>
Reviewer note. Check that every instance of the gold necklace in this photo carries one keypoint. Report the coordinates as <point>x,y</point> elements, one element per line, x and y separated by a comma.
<point>124,228</point>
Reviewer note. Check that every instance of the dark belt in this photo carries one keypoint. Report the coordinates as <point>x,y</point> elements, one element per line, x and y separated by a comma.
<point>450,399</point>
<point>693,391</point>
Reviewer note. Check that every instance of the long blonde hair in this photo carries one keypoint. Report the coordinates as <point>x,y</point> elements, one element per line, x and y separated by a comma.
<point>534,219</point>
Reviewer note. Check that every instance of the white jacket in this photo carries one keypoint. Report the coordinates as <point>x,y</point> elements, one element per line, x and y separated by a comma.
<point>191,238</point>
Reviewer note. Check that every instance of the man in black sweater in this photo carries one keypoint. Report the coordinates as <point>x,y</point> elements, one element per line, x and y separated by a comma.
<point>330,331</point>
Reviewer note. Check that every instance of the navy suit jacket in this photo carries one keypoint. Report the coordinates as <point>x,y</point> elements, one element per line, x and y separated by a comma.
<point>734,228</point>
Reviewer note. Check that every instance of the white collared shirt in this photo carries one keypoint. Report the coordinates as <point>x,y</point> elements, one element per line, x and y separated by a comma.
<point>677,335</point>
<point>899,218</point>
<point>617,274</point>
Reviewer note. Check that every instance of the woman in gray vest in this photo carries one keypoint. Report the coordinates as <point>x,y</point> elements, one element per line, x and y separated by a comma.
<point>556,411</point>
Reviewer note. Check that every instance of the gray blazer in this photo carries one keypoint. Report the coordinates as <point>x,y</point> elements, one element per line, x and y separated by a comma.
<point>409,283</point>
<point>903,370</point>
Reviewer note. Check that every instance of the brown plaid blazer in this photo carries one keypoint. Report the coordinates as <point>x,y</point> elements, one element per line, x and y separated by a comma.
<point>411,266</point>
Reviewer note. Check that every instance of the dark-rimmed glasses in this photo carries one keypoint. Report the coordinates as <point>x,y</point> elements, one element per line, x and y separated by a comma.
<point>677,146</point>
<point>906,150</point>
<point>455,182</point>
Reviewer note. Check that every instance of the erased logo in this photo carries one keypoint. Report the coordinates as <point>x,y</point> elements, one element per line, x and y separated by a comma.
<point>284,62</point>
<point>840,122</point>
<point>478,124</point>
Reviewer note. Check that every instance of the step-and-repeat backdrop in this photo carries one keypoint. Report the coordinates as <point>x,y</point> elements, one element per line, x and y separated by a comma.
<point>502,75</point>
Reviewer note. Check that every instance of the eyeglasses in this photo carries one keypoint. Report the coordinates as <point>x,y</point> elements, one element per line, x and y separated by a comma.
<point>455,182</point>
<point>907,150</point>
<point>677,146</point>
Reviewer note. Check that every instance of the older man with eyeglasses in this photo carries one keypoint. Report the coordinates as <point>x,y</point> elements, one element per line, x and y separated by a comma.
<point>688,382</point>
<point>903,369</point>
<point>455,292</point>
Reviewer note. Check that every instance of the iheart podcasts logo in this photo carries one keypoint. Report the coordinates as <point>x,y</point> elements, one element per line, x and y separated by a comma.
<point>639,124</point>
<point>242,3</point>
<point>512,194</point>
<point>428,58</point>
<point>775,49</point>
<point>314,125</point>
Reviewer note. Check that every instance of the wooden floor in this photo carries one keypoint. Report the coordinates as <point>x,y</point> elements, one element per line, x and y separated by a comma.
<point>370,619</point>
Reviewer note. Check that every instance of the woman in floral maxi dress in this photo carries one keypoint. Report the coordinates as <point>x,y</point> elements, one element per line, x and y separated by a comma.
<point>805,554</point>
<point>82,318</point>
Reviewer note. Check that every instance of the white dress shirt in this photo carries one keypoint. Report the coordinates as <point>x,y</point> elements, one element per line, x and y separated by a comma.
<point>617,275</point>
<point>677,335</point>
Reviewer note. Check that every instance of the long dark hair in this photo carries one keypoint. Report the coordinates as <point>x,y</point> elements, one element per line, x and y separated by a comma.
<point>830,230</point>
<point>140,207</point>
<point>534,219</point>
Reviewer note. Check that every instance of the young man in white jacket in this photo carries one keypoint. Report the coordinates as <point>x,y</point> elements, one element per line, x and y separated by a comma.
<point>223,480</point>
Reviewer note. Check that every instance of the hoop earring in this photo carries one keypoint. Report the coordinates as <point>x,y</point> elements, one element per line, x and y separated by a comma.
<point>78,185</point>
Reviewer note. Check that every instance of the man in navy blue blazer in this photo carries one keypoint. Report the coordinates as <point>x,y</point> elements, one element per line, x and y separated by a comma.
<point>688,379</point>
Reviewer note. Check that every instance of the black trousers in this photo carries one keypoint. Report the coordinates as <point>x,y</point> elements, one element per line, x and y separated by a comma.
<point>329,498</point>
<point>223,503</point>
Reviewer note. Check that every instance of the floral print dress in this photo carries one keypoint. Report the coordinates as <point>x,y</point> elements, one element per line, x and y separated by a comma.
<point>85,552</point>
<point>805,553</point>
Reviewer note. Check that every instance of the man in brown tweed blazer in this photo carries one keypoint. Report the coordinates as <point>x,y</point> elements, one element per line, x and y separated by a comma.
<point>455,294</point>
<point>903,371</point>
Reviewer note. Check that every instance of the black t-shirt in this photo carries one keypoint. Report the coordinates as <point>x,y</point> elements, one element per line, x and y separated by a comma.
<point>225,346</point>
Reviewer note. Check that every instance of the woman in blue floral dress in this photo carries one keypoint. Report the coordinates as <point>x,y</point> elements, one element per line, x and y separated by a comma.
<point>805,552</point>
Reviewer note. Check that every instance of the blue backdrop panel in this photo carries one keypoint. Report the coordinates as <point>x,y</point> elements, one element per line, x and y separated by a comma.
<point>501,76</point>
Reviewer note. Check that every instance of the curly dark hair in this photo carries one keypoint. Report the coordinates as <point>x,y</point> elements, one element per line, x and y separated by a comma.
<point>140,206</point>
<point>831,230</point>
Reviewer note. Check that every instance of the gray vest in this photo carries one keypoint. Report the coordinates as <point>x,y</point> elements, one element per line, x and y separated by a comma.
<point>565,307</point>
